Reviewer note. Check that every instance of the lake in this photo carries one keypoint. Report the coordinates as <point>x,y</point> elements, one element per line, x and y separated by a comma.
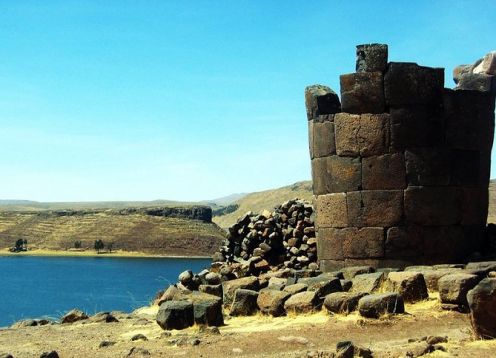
<point>34,287</point>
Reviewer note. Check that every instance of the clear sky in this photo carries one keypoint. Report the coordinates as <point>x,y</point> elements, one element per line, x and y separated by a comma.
<point>190,100</point>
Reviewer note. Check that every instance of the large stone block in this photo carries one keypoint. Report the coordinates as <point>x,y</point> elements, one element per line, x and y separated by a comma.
<point>482,303</point>
<point>336,174</point>
<point>433,205</point>
<point>404,242</point>
<point>331,210</point>
<point>416,126</point>
<point>477,82</point>
<point>321,100</point>
<point>411,84</point>
<point>475,206</point>
<point>383,172</point>
<point>323,142</point>
<point>428,166</point>
<point>363,135</point>
<point>469,119</point>
<point>350,243</point>
<point>363,243</point>
<point>371,57</point>
<point>465,167</point>
<point>330,244</point>
<point>375,207</point>
<point>362,92</point>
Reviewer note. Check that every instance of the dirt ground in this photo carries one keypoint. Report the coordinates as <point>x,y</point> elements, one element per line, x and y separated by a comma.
<point>257,336</point>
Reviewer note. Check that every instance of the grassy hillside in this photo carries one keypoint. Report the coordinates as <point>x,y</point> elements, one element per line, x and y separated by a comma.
<point>132,232</point>
<point>267,199</point>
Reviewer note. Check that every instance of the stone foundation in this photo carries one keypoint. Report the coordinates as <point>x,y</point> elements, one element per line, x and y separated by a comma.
<point>400,166</point>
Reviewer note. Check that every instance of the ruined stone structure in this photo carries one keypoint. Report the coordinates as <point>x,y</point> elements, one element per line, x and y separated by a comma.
<point>401,165</point>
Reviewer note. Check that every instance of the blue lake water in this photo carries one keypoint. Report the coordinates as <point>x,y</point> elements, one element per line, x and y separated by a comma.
<point>35,287</point>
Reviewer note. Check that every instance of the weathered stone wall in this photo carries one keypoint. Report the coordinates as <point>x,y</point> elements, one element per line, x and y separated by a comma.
<point>401,165</point>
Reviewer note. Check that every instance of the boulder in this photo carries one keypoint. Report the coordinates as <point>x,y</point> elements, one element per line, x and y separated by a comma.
<point>244,303</point>
<point>350,272</point>
<point>207,309</point>
<point>410,285</point>
<point>321,285</point>
<point>367,282</point>
<point>482,303</point>
<point>376,305</point>
<point>342,302</point>
<point>186,277</point>
<point>346,284</point>
<point>73,316</point>
<point>487,65</point>
<point>106,317</point>
<point>277,283</point>
<point>170,293</point>
<point>213,278</point>
<point>215,290</point>
<point>272,301</point>
<point>303,302</point>
<point>295,288</point>
<point>175,315</point>
<point>229,287</point>
<point>453,288</point>
<point>52,354</point>
<point>371,57</point>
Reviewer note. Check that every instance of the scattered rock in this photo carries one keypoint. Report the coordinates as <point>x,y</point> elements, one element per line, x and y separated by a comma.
<point>323,286</point>
<point>138,352</point>
<point>410,285</point>
<point>230,287</point>
<point>139,337</point>
<point>244,303</point>
<point>342,302</point>
<point>376,305</point>
<point>25,323</point>
<point>453,288</point>
<point>295,288</point>
<point>74,316</point>
<point>52,354</point>
<point>419,349</point>
<point>436,340</point>
<point>272,301</point>
<point>106,317</point>
<point>104,344</point>
<point>368,282</point>
<point>209,330</point>
<point>303,302</point>
<point>215,290</point>
<point>482,304</point>
<point>175,315</point>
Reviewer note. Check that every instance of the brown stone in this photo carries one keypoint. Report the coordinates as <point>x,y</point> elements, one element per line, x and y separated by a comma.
<point>330,243</point>
<point>433,205</point>
<point>367,242</point>
<point>477,82</point>
<point>362,92</point>
<point>404,242</point>
<point>320,100</point>
<point>331,210</point>
<point>416,126</point>
<point>410,285</point>
<point>363,135</point>
<point>411,84</point>
<point>383,172</point>
<point>323,139</point>
<point>371,57</point>
<point>336,174</point>
<point>374,207</point>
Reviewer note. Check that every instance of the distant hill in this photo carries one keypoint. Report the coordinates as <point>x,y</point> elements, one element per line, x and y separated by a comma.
<point>147,230</point>
<point>267,199</point>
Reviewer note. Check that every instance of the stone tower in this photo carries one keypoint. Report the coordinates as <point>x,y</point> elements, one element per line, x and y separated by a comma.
<point>401,165</point>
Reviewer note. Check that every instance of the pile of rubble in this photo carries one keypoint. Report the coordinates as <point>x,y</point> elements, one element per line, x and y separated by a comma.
<point>285,236</point>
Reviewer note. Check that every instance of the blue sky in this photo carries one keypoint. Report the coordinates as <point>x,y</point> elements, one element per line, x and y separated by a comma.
<point>142,100</point>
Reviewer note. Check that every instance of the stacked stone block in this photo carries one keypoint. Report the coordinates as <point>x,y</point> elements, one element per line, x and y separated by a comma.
<point>400,166</point>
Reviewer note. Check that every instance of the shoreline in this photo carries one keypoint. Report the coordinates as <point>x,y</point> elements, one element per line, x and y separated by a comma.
<point>116,254</point>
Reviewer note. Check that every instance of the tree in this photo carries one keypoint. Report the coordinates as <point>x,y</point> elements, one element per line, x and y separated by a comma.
<point>99,245</point>
<point>25,245</point>
<point>19,245</point>
<point>77,244</point>
<point>109,246</point>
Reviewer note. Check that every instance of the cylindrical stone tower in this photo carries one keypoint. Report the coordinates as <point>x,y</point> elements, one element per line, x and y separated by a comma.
<point>401,166</point>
